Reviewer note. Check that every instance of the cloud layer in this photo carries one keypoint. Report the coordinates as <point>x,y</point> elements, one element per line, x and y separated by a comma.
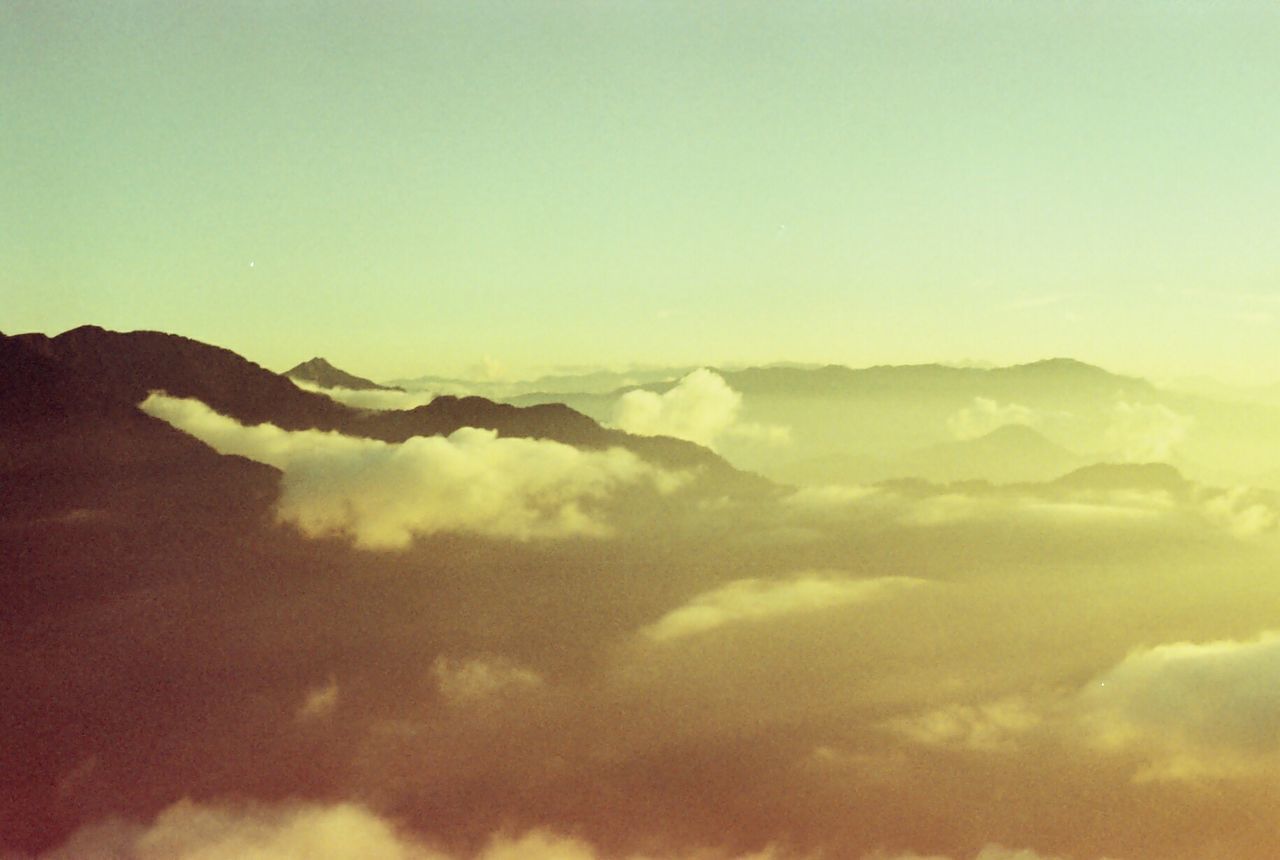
<point>382,495</point>
<point>348,831</point>
<point>344,831</point>
<point>1198,709</point>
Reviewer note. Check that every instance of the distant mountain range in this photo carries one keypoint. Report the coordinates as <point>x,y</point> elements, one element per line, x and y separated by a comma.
<point>587,382</point>
<point>887,421</point>
<point>1010,454</point>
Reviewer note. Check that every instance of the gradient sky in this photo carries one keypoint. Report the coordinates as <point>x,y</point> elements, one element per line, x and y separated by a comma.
<point>410,187</point>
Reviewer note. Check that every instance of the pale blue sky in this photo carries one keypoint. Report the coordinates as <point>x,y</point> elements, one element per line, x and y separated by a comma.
<point>407,187</point>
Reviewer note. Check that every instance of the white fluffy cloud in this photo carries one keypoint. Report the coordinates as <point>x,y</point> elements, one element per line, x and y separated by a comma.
<point>383,494</point>
<point>756,599</point>
<point>701,408</point>
<point>984,415</point>
<point>191,831</point>
<point>1195,709</point>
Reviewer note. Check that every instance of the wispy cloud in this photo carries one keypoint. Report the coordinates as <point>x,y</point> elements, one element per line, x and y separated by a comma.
<point>379,399</point>
<point>756,599</point>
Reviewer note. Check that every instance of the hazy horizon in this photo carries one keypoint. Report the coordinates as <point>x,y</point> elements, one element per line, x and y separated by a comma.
<point>559,184</point>
<point>488,369</point>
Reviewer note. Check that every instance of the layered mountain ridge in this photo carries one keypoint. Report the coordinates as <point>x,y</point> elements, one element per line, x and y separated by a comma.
<point>91,368</point>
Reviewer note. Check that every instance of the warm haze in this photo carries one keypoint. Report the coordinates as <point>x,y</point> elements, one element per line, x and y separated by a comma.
<point>639,431</point>
<point>411,189</point>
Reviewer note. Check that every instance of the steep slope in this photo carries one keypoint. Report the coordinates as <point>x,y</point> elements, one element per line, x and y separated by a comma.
<point>127,366</point>
<point>69,447</point>
<point>55,417</point>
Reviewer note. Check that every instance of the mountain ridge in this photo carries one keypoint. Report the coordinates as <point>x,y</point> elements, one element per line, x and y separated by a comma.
<point>127,366</point>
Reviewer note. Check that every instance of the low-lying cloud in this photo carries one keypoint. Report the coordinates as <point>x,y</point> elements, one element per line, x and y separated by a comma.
<point>1181,711</point>
<point>349,831</point>
<point>1244,513</point>
<point>382,494</point>
<point>343,831</point>
<point>757,599</point>
<point>1195,709</point>
<point>190,831</point>
<point>383,400</point>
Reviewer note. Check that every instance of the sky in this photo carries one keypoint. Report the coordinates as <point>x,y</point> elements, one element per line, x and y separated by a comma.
<point>414,187</point>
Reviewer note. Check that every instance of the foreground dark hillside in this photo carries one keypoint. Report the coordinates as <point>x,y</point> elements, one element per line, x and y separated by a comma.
<point>124,367</point>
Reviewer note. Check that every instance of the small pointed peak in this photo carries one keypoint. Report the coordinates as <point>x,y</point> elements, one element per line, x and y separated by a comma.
<point>319,371</point>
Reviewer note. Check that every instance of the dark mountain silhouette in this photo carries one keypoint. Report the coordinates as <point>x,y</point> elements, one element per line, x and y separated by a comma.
<point>69,443</point>
<point>124,367</point>
<point>320,372</point>
<point>128,366</point>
